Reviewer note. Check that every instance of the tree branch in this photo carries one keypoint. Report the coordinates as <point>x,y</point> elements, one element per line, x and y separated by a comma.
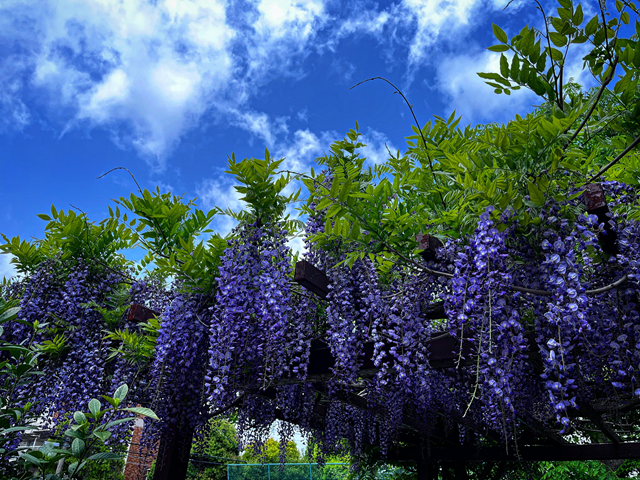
<point>603,87</point>
<point>615,160</point>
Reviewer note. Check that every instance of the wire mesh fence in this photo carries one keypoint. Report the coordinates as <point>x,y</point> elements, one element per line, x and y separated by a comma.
<point>287,471</point>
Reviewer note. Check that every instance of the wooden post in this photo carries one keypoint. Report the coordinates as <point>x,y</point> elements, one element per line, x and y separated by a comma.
<point>596,203</point>
<point>173,455</point>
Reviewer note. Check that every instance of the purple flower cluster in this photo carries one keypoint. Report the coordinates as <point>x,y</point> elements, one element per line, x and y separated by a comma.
<point>177,374</point>
<point>251,327</point>
<point>57,298</point>
<point>481,309</point>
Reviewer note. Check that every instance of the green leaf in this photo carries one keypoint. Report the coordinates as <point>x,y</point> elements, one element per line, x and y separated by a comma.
<point>79,417</point>
<point>76,467</point>
<point>327,226</point>
<point>77,447</point>
<point>558,39</point>
<point>9,314</point>
<point>121,393</point>
<point>70,432</point>
<point>494,76</point>
<point>592,26</point>
<point>535,193</point>
<point>578,16</point>
<point>324,203</point>
<point>504,66</point>
<point>105,456</point>
<point>500,34</point>
<point>515,67</point>
<point>542,62</point>
<point>102,435</point>
<point>118,422</point>
<point>355,230</point>
<point>575,195</point>
<point>110,401</point>
<point>556,54</point>
<point>147,412</point>
<point>16,429</point>
<point>564,13</point>
<point>499,48</point>
<point>44,217</point>
<point>94,407</point>
<point>31,459</point>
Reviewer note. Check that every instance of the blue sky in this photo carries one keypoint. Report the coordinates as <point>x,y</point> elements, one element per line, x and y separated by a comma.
<point>169,88</point>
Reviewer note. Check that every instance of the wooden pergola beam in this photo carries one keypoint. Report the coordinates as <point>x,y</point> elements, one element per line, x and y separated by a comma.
<point>140,313</point>
<point>598,451</point>
<point>311,278</point>
<point>599,422</point>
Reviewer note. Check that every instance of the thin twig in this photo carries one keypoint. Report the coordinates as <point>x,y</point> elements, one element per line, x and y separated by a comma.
<point>154,220</point>
<point>417,125</point>
<point>603,87</point>
<point>121,168</point>
<point>615,160</point>
<point>553,63</point>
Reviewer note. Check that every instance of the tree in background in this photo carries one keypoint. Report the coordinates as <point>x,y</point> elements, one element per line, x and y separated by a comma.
<point>270,453</point>
<point>218,443</point>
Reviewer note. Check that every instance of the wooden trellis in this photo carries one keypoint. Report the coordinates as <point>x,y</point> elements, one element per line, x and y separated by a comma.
<point>539,443</point>
<point>440,446</point>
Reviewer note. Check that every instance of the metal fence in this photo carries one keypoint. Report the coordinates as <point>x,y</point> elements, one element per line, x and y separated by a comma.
<point>287,471</point>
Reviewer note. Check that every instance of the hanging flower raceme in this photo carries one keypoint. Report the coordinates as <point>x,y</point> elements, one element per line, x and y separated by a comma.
<point>481,309</point>
<point>625,347</point>
<point>251,327</point>
<point>57,316</point>
<point>177,375</point>
<point>564,321</point>
<point>348,314</point>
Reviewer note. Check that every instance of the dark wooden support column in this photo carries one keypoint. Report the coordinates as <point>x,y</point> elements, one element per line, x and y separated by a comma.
<point>429,245</point>
<point>596,204</point>
<point>427,469</point>
<point>175,447</point>
<point>173,455</point>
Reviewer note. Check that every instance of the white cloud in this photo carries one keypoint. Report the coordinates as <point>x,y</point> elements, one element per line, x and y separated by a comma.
<point>303,115</point>
<point>424,27</point>
<point>431,16</point>
<point>220,192</point>
<point>7,269</point>
<point>16,114</point>
<point>377,147</point>
<point>367,21</point>
<point>470,96</point>
<point>303,149</point>
<point>260,125</point>
<point>282,18</point>
<point>147,71</point>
